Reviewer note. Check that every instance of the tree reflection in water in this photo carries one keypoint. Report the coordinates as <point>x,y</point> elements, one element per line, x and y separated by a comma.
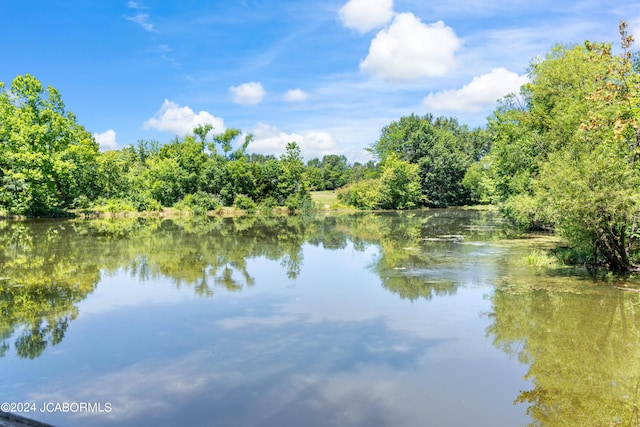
<point>47,267</point>
<point>582,345</point>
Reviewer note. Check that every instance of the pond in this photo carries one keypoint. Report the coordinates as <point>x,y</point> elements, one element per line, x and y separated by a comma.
<point>371,319</point>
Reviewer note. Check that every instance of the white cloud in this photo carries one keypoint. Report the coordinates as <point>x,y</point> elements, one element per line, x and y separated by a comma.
<point>142,19</point>
<point>268,139</point>
<point>106,140</point>
<point>483,91</point>
<point>181,120</point>
<point>296,95</point>
<point>410,49</point>
<point>366,15</point>
<point>251,93</point>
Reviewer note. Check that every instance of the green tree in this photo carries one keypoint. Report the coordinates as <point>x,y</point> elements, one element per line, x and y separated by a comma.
<point>335,171</point>
<point>47,160</point>
<point>292,187</point>
<point>568,157</point>
<point>399,185</point>
<point>441,148</point>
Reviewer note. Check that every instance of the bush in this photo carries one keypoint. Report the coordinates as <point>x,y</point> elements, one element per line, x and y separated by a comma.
<point>81,202</point>
<point>364,194</point>
<point>299,202</point>
<point>143,202</point>
<point>115,206</point>
<point>526,212</point>
<point>268,204</point>
<point>199,203</point>
<point>244,202</point>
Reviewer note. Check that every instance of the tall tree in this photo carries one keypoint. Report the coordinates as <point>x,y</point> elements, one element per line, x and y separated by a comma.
<point>567,158</point>
<point>47,160</point>
<point>441,148</point>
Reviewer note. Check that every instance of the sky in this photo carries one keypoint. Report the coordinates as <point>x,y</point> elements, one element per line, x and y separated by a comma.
<point>327,74</point>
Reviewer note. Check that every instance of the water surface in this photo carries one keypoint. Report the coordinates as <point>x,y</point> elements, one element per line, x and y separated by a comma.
<point>391,319</point>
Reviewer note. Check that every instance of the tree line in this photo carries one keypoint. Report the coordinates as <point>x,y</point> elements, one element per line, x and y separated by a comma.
<point>50,164</point>
<point>560,155</point>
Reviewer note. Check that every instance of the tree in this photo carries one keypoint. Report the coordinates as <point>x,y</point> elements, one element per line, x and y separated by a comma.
<point>599,207</point>
<point>567,157</point>
<point>397,188</point>
<point>47,160</point>
<point>335,171</point>
<point>441,148</point>
<point>293,187</point>
<point>399,185</point>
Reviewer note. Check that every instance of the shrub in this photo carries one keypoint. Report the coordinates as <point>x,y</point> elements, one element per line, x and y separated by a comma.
<point>364,194</point>
<point>244,202</point>
<point>199,203</point>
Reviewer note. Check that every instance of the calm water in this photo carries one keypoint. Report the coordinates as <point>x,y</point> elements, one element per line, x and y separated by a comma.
<point>417,319</point>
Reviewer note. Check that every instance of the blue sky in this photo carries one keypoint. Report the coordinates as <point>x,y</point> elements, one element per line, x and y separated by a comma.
<point>327,74</point>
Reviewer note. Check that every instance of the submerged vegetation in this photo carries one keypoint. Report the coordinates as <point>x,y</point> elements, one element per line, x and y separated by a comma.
<point>561,155</point>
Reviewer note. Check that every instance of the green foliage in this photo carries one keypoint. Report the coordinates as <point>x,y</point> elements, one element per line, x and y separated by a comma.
<point>330,173</point>
<point>363,194</point>
<point>399,185</point>
<point>397,188</point>
<point>566,157</point>
<point>479,183</point>
<point>244,202</point>
<point>292,186</point>
<point>199,203</point>
<point>367,170</point>
<point>240,180</point>
<point>539,259</point>
<point>47,160</point>
<point>441,148</point>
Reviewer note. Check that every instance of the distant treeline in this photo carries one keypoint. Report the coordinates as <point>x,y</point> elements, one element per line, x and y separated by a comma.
<point>560,155</point>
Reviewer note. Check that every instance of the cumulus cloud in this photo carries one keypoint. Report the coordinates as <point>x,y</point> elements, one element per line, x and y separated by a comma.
<point>268,139</point>
<point>106,140</point>
<point>296,95</point>
<point>366,15</point>
<point>483,90</point>
<point>251,93</point>
<point>410,49</point>
<point>181,120</point>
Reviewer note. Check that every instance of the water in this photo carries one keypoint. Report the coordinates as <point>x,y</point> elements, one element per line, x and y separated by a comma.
<point>429,318</point>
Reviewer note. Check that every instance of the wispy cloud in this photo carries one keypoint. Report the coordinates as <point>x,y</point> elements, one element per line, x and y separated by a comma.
<point>136,5</point>
<point>142,19</point>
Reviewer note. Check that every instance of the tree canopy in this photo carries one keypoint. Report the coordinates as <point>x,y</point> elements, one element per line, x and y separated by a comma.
<point>564,156</point>
<point>560,155</point>
<point>47,160</point>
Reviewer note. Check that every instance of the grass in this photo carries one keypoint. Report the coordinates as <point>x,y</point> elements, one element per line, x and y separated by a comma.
<point>327,200</point>
<point>538,258</point>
